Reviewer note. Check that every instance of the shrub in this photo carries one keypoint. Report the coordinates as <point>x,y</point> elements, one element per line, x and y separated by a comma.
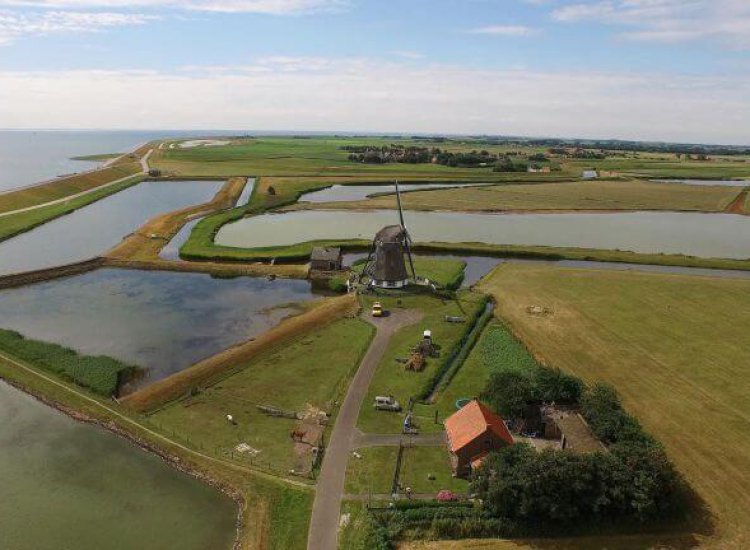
<point>100,374</point>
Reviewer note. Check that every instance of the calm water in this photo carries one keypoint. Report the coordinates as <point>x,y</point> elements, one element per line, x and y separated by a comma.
<point>29,157</point>
<point>71,486</point>
<point>98,227</point>
<point>339,193</point>
<point>724,183</point>
<point>161,321</point>
<point>172,250</point>
<point>703,235</point>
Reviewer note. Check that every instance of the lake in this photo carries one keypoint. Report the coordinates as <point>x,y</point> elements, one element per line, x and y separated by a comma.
<point>67,485</point>
<point>161,321</point>
<point>703,235</point>
<point>340,193</point>
<point>96,228</point>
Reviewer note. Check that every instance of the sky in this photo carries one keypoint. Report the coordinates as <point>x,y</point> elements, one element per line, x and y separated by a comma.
<point>664,70</point>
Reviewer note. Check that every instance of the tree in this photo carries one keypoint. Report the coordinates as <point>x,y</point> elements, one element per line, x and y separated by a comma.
<point>508,392</point>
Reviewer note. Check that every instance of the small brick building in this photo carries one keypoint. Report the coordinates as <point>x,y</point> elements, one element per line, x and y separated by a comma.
<point>472,432</point>
<point>325,259</point>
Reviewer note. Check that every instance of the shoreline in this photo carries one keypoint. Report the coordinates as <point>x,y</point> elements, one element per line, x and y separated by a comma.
<point>171,460</point>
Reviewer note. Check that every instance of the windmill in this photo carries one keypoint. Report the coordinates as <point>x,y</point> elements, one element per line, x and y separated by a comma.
<point>385,265</point>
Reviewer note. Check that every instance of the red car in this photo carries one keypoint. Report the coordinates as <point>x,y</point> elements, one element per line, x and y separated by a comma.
<point>446,496</point>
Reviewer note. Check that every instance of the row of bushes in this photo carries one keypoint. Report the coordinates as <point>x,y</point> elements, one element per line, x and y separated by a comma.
<point>101,374</point>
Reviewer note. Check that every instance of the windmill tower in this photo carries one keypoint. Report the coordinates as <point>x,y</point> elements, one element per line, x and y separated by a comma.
<point>386,267</point>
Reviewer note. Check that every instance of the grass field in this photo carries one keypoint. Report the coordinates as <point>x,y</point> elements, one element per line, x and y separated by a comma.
<point>373,473</point>
<point>392,379</point>
<point>576,195</point>
<point>63,187</point>
<point>676,350</point>
<point>313,370</point>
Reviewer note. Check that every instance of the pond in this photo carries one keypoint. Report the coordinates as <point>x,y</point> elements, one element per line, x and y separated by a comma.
<point>161,321</point>
<point>340,193</point>
<point>703,235</point>
<point>172,249</point>
<point>96,228</point>
<point>73,485</point>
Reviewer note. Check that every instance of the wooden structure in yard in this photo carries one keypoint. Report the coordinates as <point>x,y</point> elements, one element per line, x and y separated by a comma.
<point>472,432</point>
<point>325,259</point>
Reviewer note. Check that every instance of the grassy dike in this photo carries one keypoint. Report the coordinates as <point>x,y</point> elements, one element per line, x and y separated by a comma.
<point>10,226</point>
<point>272,513</point>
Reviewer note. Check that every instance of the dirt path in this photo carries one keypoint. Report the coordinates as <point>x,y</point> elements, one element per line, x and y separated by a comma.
<point>323,533</point>
<point>737,206</point>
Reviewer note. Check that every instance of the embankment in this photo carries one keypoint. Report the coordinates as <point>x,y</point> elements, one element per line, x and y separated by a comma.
<point>204,372</point>
<point>30,277</point>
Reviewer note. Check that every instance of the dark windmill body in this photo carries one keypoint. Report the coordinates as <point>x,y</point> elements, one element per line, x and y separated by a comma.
<point>386,263</point>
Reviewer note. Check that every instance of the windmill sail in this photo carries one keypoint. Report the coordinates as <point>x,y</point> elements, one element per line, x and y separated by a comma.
<point>407,237</point>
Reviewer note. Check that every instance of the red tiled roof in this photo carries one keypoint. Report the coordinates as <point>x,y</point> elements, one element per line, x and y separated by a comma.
<point>471,422</point>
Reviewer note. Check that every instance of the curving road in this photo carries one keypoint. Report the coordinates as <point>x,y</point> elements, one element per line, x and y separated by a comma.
<point>324,524</point>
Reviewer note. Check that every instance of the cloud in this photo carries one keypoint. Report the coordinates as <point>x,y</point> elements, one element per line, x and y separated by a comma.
<point>504,30</point>
<point>16,25</point>
<point>271,7</point>
<point>376,95</point>
<point>670,21</point>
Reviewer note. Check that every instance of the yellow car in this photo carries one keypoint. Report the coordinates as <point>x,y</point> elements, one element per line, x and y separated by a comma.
<point>377,309</point>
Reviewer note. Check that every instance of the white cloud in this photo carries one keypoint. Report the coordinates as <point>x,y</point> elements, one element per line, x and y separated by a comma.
<point>724,21</point>
<point>15,25</point>
<point>360,94</point>
<point>504,30</point>
<point>271,7</point>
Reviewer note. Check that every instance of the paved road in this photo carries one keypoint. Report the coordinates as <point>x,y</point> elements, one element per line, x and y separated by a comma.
<point>144,170</point>
<point>323,534</point>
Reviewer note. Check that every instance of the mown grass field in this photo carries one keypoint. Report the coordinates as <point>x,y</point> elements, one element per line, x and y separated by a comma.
<point>313,370</point>
<point>675,347</point>
<point>392,379</point>
<point>63,187</point>
<point>373,473</point>
<point>575,195</point>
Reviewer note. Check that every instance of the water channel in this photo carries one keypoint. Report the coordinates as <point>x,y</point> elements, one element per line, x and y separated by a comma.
<point>161,321</point>
<point>67,485</point>
<point>702,235</point>
<point>172,249</point>
<point>96,228</point>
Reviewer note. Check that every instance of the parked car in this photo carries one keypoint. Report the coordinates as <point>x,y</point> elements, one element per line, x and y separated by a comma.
<point>377,309</point>
<point>387,403</point>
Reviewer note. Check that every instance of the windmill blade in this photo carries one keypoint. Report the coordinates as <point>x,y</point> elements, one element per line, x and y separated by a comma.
<point>400,210</point>
<point>407,246</point>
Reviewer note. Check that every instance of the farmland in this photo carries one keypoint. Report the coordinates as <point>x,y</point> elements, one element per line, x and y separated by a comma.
<point>654,337</point>
<point>615,195</point>
<point>311,371</point>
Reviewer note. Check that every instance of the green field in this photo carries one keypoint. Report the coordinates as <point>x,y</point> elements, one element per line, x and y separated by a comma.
<point>576,195</point>
<point>392,379</point>
<point>313,371</point>
<point>674,347</point>
<point>373,473</point>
